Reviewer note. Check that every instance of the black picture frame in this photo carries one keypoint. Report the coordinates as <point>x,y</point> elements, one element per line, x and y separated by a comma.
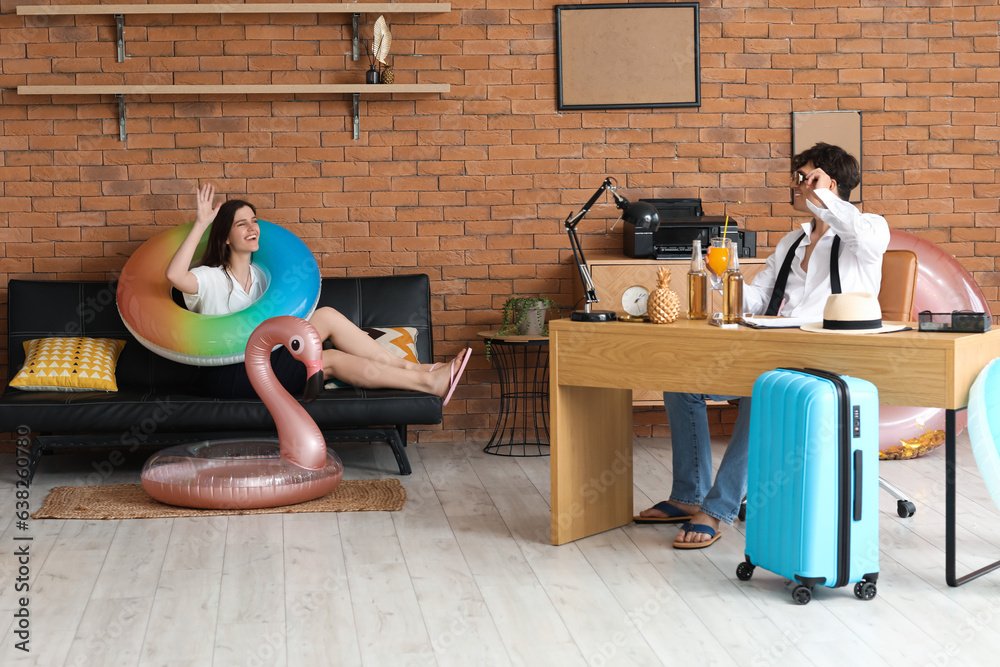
<point>628,56</point>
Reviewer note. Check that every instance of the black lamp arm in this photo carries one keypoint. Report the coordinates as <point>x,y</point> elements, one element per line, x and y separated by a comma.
<point>581,264</point>
<point>620,201</point>
<point>574,239</point>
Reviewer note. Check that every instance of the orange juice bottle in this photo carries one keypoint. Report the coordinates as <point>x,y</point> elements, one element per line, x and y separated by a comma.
<point>697,285</point>
<point>732,289</point>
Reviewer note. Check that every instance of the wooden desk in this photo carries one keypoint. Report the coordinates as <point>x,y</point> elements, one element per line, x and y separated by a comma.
<point>593,368</point>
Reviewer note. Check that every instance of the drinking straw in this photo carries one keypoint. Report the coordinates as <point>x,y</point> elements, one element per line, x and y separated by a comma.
<point>725,227</point>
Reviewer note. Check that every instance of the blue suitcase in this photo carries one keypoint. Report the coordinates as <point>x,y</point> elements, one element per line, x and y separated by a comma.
<point>812,488</point>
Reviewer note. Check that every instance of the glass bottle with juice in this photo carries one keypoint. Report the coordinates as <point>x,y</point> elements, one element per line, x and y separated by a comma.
<point>697,280</point>
<point>732,289</point>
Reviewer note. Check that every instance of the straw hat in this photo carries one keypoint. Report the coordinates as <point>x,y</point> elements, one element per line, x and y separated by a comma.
<point>852,313</point>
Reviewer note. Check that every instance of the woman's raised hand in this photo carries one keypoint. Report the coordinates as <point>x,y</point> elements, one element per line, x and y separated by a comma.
<point>206,210</point>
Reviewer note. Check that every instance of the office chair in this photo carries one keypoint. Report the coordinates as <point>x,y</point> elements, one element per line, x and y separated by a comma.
<point>899,284</point>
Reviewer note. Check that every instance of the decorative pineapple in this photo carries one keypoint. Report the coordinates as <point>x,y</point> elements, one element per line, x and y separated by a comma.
<point>664,304</point>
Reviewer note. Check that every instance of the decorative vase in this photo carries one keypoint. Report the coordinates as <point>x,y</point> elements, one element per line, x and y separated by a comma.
<point>371,76</point>
<point>388,76</point>
<point>530,319</point>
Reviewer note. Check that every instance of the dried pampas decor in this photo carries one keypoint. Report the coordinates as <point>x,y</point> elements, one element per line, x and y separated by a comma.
<point>381,40</point>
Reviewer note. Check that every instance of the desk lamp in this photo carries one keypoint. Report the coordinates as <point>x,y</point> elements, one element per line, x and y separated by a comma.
<point>641,214</point>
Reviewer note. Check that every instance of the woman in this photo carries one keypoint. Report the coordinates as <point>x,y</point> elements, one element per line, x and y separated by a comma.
<point>228,281</point>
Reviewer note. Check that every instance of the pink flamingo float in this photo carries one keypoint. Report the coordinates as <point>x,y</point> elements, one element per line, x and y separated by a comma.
<point>247,474</point>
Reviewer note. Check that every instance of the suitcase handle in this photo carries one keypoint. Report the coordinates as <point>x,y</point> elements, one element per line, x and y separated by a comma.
<point>858,486</point>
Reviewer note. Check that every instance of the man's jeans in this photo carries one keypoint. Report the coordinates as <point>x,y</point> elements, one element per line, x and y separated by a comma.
<point>692,452</point>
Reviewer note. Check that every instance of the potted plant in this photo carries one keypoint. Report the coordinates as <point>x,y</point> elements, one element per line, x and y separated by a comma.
<point>524,316</point>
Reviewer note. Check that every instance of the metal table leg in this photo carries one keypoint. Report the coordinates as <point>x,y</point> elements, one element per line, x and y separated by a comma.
<point>950,514</point>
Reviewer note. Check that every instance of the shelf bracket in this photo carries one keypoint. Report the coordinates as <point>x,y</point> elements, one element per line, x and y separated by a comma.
<point>120,20</point>
<point>357,115</point>
<point>356,49</point>
<point>121,117</point>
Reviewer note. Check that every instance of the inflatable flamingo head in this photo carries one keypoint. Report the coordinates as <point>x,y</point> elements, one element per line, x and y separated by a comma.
<point>300,338</point>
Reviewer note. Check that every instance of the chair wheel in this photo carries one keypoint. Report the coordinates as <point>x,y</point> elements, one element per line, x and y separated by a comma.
<point>744,571</point>
<point>801,594</point>
<point>865,590</point>
<point>905,508</point>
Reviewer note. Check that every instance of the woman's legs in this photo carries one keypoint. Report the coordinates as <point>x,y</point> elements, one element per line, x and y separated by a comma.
<point>348,337</point>
<point>360,361</point>
<point>372,374</point>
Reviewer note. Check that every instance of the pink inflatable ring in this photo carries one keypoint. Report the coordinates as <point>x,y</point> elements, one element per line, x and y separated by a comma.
<point>943,285</point>
<point>235,474</point>
<point>248,474</point>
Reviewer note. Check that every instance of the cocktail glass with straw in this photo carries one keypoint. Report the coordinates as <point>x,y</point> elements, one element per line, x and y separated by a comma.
<point>717,261</point>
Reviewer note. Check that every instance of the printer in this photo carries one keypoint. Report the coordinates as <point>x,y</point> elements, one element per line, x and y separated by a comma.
<point>682,221</point>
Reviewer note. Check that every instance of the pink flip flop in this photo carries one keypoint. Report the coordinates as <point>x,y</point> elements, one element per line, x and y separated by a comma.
<point>455,377</point>
<point>439,364</point>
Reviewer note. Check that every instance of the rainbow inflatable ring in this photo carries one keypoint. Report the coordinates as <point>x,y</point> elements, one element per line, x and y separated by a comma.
<point>147,307</point>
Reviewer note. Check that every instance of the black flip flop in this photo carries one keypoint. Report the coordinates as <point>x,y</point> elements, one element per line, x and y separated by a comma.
<point>674,514</point>
<point>698,528</point>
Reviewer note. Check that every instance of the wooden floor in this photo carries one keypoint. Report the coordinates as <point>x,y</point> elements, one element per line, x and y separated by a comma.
<point>465,576</point>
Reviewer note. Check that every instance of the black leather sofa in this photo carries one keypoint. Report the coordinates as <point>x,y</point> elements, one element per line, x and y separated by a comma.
<point>158,403</point>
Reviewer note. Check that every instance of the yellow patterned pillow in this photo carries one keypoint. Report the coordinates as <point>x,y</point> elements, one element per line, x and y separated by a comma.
<point>69,364</point>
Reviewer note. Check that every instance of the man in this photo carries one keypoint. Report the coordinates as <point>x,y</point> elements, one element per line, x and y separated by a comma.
<point>839,250</point>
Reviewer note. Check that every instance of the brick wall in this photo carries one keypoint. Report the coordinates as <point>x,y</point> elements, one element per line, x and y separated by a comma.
<point>471,186</point>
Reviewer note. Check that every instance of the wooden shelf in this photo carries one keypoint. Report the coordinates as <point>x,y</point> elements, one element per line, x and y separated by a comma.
<point>354,89</point>
<point>243,8</point>
<point>212,89</point>
<point>355,9</point>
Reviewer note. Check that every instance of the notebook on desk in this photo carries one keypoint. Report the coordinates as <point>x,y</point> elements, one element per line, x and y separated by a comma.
<point>774,322</point>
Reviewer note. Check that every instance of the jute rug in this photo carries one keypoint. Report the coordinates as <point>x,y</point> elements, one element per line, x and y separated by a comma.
<point>130,501</point>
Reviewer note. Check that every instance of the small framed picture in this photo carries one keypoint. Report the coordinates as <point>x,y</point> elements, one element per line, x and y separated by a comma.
<point>839,128</point>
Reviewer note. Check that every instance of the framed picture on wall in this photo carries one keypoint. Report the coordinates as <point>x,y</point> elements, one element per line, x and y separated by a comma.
<point>840,128</point>
<point>622,56</point>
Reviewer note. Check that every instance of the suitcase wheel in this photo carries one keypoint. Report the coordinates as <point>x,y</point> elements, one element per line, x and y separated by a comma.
<point>744,571</point>
<point>802,594</point>
<point>905,508</point>
<point>865,590</point>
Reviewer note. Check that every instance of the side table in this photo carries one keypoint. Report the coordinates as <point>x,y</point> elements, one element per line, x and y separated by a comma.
<point>522,364</point>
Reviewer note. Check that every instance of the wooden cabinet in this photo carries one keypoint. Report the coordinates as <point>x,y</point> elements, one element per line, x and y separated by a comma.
<point>613,274</point>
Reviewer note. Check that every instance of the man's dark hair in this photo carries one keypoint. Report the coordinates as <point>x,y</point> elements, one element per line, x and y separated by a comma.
<point>839,165</point>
